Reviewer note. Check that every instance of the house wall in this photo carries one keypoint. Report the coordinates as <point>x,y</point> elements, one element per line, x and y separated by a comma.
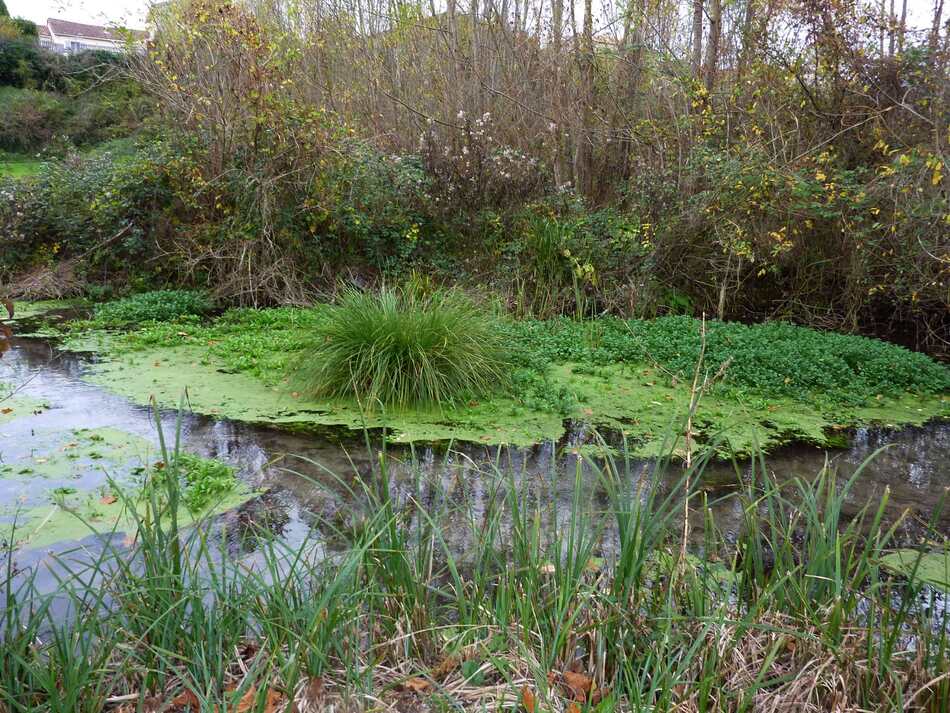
<point>67,44</point>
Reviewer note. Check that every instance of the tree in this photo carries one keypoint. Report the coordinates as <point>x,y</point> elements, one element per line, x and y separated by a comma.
<point>697,44</point>
<point>3,9</point>
<point>712,49</point>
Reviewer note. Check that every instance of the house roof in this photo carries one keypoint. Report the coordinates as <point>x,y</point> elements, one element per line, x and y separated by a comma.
<point>43,31</point>
<point>90,32</point>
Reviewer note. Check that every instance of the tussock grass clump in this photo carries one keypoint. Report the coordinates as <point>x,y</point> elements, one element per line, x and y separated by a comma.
<point>404,348</point>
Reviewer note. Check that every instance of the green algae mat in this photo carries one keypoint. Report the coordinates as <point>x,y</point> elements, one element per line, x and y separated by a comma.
<point>59,483</point>
<point>75,483</point>
<point>782,384</point>
<point>931,568</point>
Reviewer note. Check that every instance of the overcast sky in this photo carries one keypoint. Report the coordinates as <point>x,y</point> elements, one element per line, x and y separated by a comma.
<point>131,13</point>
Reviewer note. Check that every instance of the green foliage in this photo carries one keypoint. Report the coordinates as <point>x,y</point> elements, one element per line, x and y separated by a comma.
<point>204,480</point>
<point>29,118</point>
<point>799,583</point>
<point>156,306</point>
<point>404,347</point>
<point>72,206</point>
<point>376,206</point>
<point>774,358</point>
<point>18,168</point>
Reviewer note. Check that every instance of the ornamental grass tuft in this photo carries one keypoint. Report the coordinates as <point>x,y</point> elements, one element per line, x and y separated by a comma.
<point>404,347</point>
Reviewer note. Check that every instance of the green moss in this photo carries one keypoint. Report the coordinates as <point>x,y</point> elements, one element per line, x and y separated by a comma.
<point>68,455</point>
<point>80,515</point>
<point>19,169</point>
<point>214,389</point>
<point>929,567</point>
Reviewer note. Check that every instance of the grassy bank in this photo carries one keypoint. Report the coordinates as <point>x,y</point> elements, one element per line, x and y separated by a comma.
<point>768,384</point>
<point>527,608</point>
<point>19,168</point>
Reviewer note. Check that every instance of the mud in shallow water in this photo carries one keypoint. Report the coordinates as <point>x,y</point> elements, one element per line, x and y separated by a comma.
<point>304,478</point>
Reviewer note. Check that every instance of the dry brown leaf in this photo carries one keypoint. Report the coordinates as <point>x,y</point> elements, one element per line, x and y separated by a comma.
<point>274,700</point>
<point>246,704</point>
<point>573,708</point>
<point>6,410</point>
<point>528,700</point>
<point>9,305</point>
<point>446,666</point>
<point>416,684</point>
<point>577,685</point>
<point>185,698</point>
<point>109,500</point>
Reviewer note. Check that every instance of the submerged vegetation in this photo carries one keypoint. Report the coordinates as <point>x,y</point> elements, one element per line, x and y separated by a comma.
<point>524,606</point>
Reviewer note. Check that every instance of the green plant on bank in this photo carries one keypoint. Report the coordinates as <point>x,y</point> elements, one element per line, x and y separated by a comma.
<point>485,599</point>
<point>156,306</point>
<point>404,347</point>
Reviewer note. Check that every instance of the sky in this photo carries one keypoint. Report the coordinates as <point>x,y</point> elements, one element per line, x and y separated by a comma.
<point>131,13</point>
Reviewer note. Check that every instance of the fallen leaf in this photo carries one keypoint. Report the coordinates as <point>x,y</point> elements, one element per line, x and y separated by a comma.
<point>446,666</point>
<point>187,698</point>
<point>246,704</point>
<point>274,700</point>
<point>108,500</point>
<point>528,700</point>
<point>573,708</point>
<point>416,684</point>
<point>6,410</point>
<point>577,685</point>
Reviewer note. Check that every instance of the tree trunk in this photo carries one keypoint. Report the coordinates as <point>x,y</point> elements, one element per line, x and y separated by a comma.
<point>583,152</point>
<point>902,31</point>
<point>891,31</point>
<point>697,37</point>
<point>712,48</point>
<point>935,29</point>
<point>562,168</point>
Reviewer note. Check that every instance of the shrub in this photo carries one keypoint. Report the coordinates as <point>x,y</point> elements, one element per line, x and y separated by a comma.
<point>404,347</point>
<point>74,207</point>
<point>28,118</point>
<point>376,206</point>
<point>160,305</point>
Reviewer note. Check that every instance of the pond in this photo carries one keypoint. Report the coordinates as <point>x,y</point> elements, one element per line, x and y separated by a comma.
<point>64,435</point>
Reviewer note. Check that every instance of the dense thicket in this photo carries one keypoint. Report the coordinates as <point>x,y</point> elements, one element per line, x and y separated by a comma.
<point>765,158</point>
<point>55,101</point>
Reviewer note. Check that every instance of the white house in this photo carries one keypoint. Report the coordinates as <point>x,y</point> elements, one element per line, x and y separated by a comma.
<point>65,37</point>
